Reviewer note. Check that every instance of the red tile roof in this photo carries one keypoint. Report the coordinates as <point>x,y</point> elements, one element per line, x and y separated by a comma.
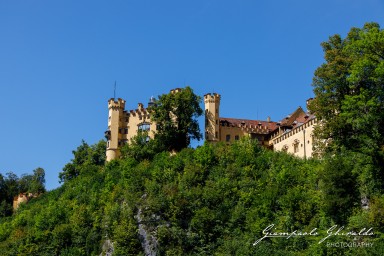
<point>235,122</point>
<point>297,117</point>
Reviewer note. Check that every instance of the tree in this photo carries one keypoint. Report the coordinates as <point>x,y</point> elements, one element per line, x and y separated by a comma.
<point>176,116</point>
<point>349,101</point>
<point>38,180</point>
<point>349,94</point>
<point>12,186</point>
<point>33,183</point>
<point>5,203</point>
<point>339,187</point>
<point>85,156</point>
<point>139,147</point>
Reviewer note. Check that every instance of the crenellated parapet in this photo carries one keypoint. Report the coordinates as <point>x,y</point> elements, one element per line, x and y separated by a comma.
<point>123,125</point>
<point>140,111</point>
<point>119,104</point>
<point>212,98</point>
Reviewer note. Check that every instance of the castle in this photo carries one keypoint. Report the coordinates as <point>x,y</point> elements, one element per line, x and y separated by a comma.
<point>293,134</point>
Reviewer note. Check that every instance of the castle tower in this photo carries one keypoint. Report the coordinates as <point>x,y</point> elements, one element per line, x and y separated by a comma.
<point>115,113</point>
<point>212,110</point>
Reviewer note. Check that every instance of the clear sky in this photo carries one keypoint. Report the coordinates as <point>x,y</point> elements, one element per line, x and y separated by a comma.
<point>60,59</point>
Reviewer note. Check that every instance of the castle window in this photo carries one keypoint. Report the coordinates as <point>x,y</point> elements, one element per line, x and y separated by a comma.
<point>144,127</point>
<point>227,137</point>
<point>119,130</point>
<point>126,131</point>
<point>216,135</point>
<point>296,146</point>
<point>217,121</point>
<point>236,137</point>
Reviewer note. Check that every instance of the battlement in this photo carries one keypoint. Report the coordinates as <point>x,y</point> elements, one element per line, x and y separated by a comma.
<point>294,129</point>
<point>212,97</point>
<point>112,103</point>
<point>139,111</point>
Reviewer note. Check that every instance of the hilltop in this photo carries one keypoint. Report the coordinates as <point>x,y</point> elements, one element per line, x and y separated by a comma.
<point>213,200</point>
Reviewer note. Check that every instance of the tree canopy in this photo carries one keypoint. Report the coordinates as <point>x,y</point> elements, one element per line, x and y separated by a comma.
<point>349,102</point>
<point>85,157</point>
<point>11,185</point>
<point>176,116</point>
<point>213,200</point>
<point>349,94</point>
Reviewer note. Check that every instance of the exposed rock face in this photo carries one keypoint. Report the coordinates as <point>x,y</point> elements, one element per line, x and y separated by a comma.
<point>365,202</point>
<point>147,238</point>
<point>107,249</point>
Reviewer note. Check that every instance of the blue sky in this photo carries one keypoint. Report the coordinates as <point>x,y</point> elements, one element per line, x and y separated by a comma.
<point>60,59</point>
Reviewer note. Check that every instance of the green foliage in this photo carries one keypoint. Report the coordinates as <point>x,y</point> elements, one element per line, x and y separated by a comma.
<point>38,181</point>
<point>218,199</point>
<point>175,115</point>
<point>86,158</point>
<point>11,186</point>
<point>348,90</point>
<point>32,183</point>
<point>349,102</point>
<point>140,148</point>
<point>340,187</point>
<point>213,200</point>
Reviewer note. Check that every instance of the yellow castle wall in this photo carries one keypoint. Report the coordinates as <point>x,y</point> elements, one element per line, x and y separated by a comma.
<point>124,125</point>
<point>302,136</point>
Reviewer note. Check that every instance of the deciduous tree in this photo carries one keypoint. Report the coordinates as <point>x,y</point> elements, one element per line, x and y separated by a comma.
<point>349,102</point>
<point>85,157</point>
<point>176,116</point>
<point>349,94</point>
